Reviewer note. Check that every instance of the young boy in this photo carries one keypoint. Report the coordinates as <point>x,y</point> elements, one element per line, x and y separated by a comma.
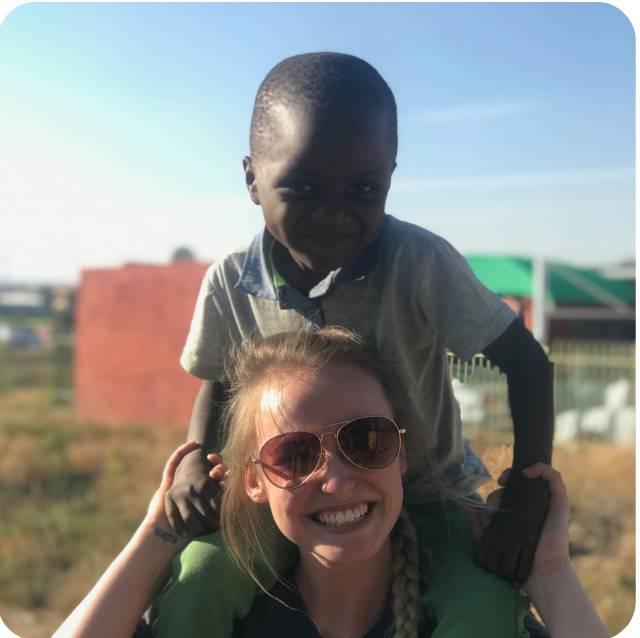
<point>323,150</point>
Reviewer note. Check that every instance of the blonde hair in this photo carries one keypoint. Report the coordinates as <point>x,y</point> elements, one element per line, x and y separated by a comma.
<point>248,530</point>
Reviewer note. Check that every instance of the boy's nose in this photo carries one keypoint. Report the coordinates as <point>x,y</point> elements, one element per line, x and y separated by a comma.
<point>332,206</point>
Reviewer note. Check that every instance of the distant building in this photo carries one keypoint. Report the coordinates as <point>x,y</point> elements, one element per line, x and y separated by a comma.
<point>20,336</point>
<point>130,327</point>
<point>579,303</point>
<point>24,301</point>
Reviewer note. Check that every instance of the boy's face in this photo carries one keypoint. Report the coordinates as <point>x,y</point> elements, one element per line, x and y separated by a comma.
<point>323,182</point>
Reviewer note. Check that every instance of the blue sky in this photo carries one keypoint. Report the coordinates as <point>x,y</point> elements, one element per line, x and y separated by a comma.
<point>123,126</point>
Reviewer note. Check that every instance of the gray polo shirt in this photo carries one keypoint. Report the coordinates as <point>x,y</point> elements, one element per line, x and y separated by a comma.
<point>410,294</point>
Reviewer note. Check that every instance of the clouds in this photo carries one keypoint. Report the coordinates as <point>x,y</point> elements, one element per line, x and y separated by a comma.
<point>61,215</point>
<point>581,215</point>
<point>472,113</point>
<point>597,177</point>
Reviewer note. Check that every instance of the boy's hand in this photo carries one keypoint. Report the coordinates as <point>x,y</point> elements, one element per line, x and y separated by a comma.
<point>191,502</point>
<point>508,544</point>
<point>155,511</point>
<point>219,472</point>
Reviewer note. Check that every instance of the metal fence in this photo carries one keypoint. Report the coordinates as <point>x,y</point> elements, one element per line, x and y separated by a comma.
<point>594,385</point>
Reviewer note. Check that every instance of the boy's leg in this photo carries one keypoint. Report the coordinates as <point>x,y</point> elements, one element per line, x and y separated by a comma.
<point>465,599</point>
<point>206,592</point>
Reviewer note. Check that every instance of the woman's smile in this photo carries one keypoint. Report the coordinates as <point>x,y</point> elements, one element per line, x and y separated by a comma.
<point>343,516</point>
<point>342,513</point>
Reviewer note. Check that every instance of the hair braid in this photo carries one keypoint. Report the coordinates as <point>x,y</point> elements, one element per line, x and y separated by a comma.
<point>407,599</point>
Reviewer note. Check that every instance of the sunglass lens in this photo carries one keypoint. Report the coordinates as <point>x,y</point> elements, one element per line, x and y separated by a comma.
<point>289,458</point>
<point>370,442</point>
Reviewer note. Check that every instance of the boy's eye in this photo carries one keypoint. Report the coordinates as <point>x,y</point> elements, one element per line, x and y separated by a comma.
<point>298,188</point>
<point>362,190</point>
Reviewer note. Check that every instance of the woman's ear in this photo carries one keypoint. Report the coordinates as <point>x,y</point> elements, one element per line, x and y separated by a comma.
<point>250,179</point>
<point>254,486</point>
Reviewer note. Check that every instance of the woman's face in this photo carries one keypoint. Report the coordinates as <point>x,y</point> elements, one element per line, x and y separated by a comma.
<point>308,516</point>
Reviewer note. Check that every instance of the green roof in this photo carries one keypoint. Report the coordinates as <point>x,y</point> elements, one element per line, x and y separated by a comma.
<point>512,277</point>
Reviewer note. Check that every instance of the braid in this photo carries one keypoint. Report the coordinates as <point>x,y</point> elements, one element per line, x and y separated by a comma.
<point>407,599</point>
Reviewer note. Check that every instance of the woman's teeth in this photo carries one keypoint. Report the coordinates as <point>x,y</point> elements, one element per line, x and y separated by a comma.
<point>343,517</point>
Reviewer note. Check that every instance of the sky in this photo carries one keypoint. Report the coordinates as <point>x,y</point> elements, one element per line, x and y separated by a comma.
<point>123,126</point>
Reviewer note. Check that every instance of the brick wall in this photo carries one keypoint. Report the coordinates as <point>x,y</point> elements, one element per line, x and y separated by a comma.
<point>130,327</point>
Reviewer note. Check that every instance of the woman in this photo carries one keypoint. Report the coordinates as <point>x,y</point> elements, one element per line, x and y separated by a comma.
<point>315,414</point>
<point>313,446</point>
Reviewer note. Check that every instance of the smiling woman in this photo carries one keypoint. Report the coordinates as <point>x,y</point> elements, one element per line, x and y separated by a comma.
<point>331,475</point>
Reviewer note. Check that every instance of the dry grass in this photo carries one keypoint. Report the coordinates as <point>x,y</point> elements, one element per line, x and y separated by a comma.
<point>71,494</point>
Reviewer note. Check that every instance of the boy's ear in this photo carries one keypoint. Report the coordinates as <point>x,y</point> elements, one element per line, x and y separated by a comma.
<point>250,179</point>
<point>254,486</point>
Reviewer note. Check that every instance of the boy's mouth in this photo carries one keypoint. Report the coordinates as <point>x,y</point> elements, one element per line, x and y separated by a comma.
<point>329,240</point>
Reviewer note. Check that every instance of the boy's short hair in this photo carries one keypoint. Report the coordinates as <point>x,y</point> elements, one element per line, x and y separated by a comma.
<point>315,80</point>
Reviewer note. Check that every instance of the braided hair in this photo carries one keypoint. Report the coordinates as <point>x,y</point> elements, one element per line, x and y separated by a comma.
<point>319,80</point>
<point>407,570</point>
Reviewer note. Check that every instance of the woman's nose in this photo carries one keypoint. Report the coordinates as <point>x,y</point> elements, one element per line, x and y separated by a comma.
<point>335,473</point>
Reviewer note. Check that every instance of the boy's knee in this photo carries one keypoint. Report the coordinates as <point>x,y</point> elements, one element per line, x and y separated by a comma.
<point>205,593</point>
<point>464,598</point>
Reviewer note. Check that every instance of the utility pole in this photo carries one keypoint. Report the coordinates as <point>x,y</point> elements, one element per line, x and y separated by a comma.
<point>539,299</point>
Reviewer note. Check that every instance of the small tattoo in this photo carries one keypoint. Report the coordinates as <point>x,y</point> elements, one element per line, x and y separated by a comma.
<point>164,535</point>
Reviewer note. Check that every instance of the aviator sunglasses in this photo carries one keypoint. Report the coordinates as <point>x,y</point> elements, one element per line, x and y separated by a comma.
<point>368,442</point>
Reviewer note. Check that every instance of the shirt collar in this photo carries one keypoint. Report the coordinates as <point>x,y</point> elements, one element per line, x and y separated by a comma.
<point>256,278</point>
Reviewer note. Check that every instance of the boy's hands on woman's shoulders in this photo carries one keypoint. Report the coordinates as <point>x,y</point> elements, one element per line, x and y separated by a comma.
<point>191,503</point>
<point>508,544</point>
<point>525,528</point>
<point>219,472</point>
<point>156,517</point>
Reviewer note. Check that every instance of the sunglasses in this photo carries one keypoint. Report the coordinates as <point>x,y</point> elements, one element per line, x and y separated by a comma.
<point>369,442</point>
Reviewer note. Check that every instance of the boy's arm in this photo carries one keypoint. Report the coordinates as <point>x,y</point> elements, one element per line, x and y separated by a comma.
<point>530,382</point>
<point>507,546</point>
<point>203,426</point>
<point>191,503</point>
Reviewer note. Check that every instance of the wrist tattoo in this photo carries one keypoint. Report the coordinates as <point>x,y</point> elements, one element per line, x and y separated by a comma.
<point>164,535</point>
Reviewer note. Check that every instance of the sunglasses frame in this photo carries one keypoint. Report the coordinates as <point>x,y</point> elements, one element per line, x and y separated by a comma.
<point>321,457</point>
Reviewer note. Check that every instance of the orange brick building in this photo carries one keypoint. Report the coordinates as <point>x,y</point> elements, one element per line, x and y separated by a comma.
<point>130,327</point>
